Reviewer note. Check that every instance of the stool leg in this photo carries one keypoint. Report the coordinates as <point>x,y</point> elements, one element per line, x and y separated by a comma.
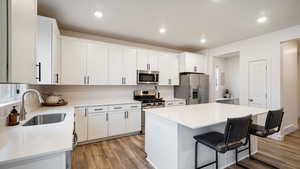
<point>196,155</point>
<point>217,160</point>
<point>249,148</point>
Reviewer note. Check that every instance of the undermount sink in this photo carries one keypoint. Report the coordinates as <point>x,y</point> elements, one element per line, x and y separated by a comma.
<point>46,119</point>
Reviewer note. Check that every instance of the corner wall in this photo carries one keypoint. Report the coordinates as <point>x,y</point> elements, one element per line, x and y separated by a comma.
<point>261,47</point>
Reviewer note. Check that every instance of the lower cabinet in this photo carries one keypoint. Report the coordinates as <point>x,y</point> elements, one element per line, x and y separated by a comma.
<point>105,121</point>
<point>117,123</point>
<point>97,125</point>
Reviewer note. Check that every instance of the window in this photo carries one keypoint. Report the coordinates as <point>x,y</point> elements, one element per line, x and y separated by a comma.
<point>8,92</point>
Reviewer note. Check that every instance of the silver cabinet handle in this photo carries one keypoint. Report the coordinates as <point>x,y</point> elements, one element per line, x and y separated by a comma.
<point>117,107</point>
<point>106,117</point>
<point>88,79</point>
<point>124,80</point>
<point>85,112</point>
<point>195,68</point>
<point>57,77</point>
<point>170,81</point>
<point>125,115</point>
<point>84,80</point>
<point>98,109</point>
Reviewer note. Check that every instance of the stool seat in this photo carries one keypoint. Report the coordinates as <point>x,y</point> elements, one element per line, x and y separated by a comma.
<point>216,141</point>
<point>261,131</point>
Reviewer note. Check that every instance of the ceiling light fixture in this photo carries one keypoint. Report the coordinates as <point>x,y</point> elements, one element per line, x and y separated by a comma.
<point>203,40</point>
<point>98,14</point>
<point>262,19</point>
<point>162,30</point>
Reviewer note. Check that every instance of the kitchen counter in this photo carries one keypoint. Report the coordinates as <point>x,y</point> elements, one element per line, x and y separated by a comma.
<point>170,131</point>
<point>203,115</point>
<point>27,142</point>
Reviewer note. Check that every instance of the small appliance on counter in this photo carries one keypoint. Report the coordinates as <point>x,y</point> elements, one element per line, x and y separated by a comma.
<point>13,117</point>
<point>150,99</point>
<point>55,100</point>
<point>194,88</point>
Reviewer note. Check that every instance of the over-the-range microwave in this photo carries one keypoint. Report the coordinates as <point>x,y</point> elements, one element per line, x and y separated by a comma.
<point>147,77</point>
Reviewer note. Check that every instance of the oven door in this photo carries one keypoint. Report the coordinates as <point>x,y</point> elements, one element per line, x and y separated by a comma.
<point>147,77</point>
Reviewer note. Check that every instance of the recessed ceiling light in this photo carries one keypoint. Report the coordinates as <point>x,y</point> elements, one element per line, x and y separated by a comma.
<point>203,40</point>
<point>262,19</point>
<point>162,30</point>
<point>98,14</point>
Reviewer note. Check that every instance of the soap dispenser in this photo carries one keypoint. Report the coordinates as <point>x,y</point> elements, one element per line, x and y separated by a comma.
<point>13,117</point>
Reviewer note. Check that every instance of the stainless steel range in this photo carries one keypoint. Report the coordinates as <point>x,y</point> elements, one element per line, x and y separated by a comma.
<point>150,99</point>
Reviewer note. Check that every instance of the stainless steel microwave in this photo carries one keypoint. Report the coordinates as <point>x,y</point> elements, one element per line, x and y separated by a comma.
<point>147,77</point>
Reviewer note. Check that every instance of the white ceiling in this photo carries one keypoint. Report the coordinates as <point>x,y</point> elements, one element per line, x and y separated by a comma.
<point>186,21</point>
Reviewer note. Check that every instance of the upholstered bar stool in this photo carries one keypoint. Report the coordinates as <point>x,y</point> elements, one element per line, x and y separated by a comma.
<point>235,135</point>
<point>272,126</point>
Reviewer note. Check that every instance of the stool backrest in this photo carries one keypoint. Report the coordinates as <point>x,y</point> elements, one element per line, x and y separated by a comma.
<point>237,129</point>
<point>274,119</point>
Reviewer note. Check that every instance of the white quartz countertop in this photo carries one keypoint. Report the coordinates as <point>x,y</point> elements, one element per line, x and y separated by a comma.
<point>203,115</point>
<point>27,142</point>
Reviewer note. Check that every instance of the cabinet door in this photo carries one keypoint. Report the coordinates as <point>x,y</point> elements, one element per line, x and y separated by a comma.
<point>97,125</point>
<point>191,63</point>
<point>73,56</point>
<point>153,60</point>
<point>174,69</point>
<point>56,57</point>
<point>22,33</point>
<point>97,64</point>
<point>117,123</point>
<point>44,51</point>
<point>115,65</point>
<point>142,59</point>
<point>81,124</point>
<point>134,120</point>
<point>164,69</point>
<point>129,66</point>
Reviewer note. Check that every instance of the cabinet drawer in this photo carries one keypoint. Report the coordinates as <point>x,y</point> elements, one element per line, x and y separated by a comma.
<point>96,109</point>
<point>124,107</point>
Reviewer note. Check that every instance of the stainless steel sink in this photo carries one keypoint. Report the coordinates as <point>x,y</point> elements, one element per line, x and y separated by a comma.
<point>46,119</point>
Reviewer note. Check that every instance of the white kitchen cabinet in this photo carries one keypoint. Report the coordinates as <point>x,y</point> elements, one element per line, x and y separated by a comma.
<point>73,69</point>
<point>22,40</point>
<point>168,67</point>
<point>129,65</point>
<point>115,54</point>
<point>191,62</point>
<point>147,60</point>
<point>97,64</point>
<point>48,51</point>
<point>116,123</point>
<point>97,125</point>
<point>133,122</point>
<point>81,124</point>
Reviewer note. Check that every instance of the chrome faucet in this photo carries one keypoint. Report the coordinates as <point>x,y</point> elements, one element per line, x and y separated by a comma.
<point>23,111</point>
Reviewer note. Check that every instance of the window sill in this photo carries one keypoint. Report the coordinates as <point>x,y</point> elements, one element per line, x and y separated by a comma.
<point>9,103</point>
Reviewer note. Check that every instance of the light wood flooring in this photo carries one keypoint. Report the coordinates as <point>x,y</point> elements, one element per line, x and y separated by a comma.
<point>128,153</point>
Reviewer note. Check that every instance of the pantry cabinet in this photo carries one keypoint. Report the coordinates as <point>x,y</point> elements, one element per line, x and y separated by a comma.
<point>168,67</point>
<point>191,62</point>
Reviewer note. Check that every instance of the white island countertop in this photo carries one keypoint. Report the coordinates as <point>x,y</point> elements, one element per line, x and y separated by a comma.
<point>203,115</point>
<point>28,142</point>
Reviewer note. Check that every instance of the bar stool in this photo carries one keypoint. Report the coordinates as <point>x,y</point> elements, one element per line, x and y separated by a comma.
<point>235,135</point>
<point>272,126</point>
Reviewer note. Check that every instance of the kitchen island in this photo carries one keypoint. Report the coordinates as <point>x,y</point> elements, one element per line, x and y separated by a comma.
<point>169,133</point>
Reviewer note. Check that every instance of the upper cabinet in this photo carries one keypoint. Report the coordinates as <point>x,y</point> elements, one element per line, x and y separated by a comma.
<point>73,54</point>
<point>48,51</point>
<point>21,40</point>
<point>168,69</point>
<point>147,60</point>
<point>191,62</point>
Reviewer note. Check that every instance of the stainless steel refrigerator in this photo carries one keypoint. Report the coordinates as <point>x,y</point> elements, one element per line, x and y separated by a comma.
<point>193,87</point>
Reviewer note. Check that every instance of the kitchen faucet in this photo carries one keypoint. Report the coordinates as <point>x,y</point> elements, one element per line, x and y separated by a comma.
<point>23,111</point>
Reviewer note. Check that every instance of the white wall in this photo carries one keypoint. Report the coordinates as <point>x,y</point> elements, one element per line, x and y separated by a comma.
<point>289,95</point>
<point>85,94</point>
<point>262,47</point>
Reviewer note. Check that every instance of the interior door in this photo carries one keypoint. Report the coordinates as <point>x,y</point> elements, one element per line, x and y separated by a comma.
<point>96,64</point>
<point>257,84</point>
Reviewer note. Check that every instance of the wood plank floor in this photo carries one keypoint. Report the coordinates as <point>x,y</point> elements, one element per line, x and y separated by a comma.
<point>128,153</point>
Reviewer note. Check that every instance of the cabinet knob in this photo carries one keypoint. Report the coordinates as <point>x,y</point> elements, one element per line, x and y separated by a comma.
<point>195,68</point>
